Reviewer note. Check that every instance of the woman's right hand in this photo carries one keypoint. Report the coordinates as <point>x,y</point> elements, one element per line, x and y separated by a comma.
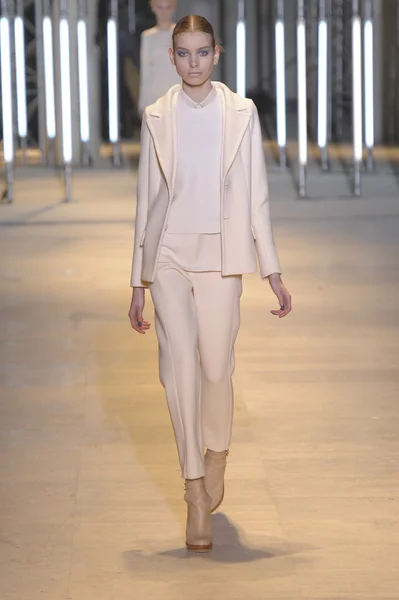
<point>136,311</point>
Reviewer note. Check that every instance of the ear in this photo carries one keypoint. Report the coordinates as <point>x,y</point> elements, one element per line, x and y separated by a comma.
<point>172,56</point>
<point>217,55</point>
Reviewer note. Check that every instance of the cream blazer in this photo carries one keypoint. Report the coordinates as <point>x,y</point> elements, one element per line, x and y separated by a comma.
<point>246,230</point>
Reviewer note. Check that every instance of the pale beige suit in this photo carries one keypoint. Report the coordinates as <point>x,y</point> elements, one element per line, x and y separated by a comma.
<point>197,313</point>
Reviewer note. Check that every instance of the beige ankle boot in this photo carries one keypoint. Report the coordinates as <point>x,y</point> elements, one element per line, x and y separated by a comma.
<point>215,467</point>
<point>199,528</point>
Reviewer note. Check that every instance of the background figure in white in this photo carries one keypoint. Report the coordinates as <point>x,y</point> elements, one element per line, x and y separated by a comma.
<point>157,74</point>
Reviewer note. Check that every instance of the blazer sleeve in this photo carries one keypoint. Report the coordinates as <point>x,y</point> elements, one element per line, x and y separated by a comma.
<point>260,208</point>
<point>142,205</point>
<point>145,73</point>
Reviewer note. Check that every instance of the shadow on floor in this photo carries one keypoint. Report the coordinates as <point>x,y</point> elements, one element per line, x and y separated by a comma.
<point>227,548</point>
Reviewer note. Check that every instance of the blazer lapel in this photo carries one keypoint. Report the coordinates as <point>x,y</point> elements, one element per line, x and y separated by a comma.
<point>236,118</point>
<point>162,126</point>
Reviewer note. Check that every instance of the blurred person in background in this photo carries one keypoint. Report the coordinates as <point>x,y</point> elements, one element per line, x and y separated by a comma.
<point>157,74</point>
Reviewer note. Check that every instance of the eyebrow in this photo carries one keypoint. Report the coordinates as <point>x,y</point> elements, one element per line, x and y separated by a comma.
<point>198,49</point>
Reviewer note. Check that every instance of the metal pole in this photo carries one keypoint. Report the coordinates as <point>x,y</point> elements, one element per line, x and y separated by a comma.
<point>338,38</point>
<point>19,39</point>
<point>302,97</point>
<point>241,67</point>
<point>68,182</point>
<point>281,104</point>
<point>9,192</point>
<point>241,10</point>
<point>357,97</point>
<point>113,82</point>
<point>311,18</point>
<point>222,19</point>
<point>83,83</point>
<point>369,82</point>
<point>66,112</point>
<point>132,15</point>
<point>41,106</point>
<point>6,97</point>
<point>24,148</point>
<point>396,46</point>
<point>47,56</point>
<point>322,108</point>
<point>330,70</point>
<point>393,89</point>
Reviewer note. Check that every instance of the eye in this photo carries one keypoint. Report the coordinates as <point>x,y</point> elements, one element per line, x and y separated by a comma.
<point>204,53</point>
<point>182,53</point>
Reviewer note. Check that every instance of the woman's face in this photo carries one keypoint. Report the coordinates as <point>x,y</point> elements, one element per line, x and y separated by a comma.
<point>194,57</point>
<point>163,10</point>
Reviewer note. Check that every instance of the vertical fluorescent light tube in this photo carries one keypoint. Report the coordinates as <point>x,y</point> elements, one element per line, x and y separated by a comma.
<point>20,71</point>
<point>322,86</point>
<point>83,82</point>
<point>6,90</point>
<point>112,82</point>
<point>49,76</point>
<point>280,84</point>
<point>65,92</point>
<point>241,58</point>
<point>302,101</point>
<point>357,88</point>
<point>369,83</point>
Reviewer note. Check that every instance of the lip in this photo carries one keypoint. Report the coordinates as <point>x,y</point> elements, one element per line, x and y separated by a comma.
<point>194,74</point>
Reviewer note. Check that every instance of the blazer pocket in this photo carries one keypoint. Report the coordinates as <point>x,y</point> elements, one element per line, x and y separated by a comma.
<point>253,233</point>
<point>142,239</point>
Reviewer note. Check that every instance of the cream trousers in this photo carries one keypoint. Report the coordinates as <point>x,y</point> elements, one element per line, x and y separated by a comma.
<point>197,317</point>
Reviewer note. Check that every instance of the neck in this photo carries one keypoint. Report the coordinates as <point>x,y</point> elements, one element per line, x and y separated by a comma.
<point>198,93</point>
<point>164,25</point>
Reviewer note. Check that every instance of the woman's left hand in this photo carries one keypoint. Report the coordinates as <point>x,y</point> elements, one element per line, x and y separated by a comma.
<point>282,294</point>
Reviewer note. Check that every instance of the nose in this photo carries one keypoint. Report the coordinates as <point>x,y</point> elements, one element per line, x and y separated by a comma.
<point>193,60</point>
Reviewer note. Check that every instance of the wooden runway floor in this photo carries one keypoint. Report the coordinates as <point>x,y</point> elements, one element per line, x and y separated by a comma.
<point>91,502</point>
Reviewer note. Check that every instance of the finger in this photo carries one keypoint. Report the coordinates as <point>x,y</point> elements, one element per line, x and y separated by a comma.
<point>136,324</point>
<point>282,308</point>
<point>285,312</point>
<point>282,312</point>
<point>140,323</point>
<point>139,316</point>
<point>287,303</point>
<point>144,325</point>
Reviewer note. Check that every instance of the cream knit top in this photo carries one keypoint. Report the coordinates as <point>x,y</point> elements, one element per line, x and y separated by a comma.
<point>192,239</point>
<point>196,203</point>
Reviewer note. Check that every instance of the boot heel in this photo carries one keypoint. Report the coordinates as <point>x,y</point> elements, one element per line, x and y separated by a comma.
<point>194,548</point>
<point>199,525</point>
